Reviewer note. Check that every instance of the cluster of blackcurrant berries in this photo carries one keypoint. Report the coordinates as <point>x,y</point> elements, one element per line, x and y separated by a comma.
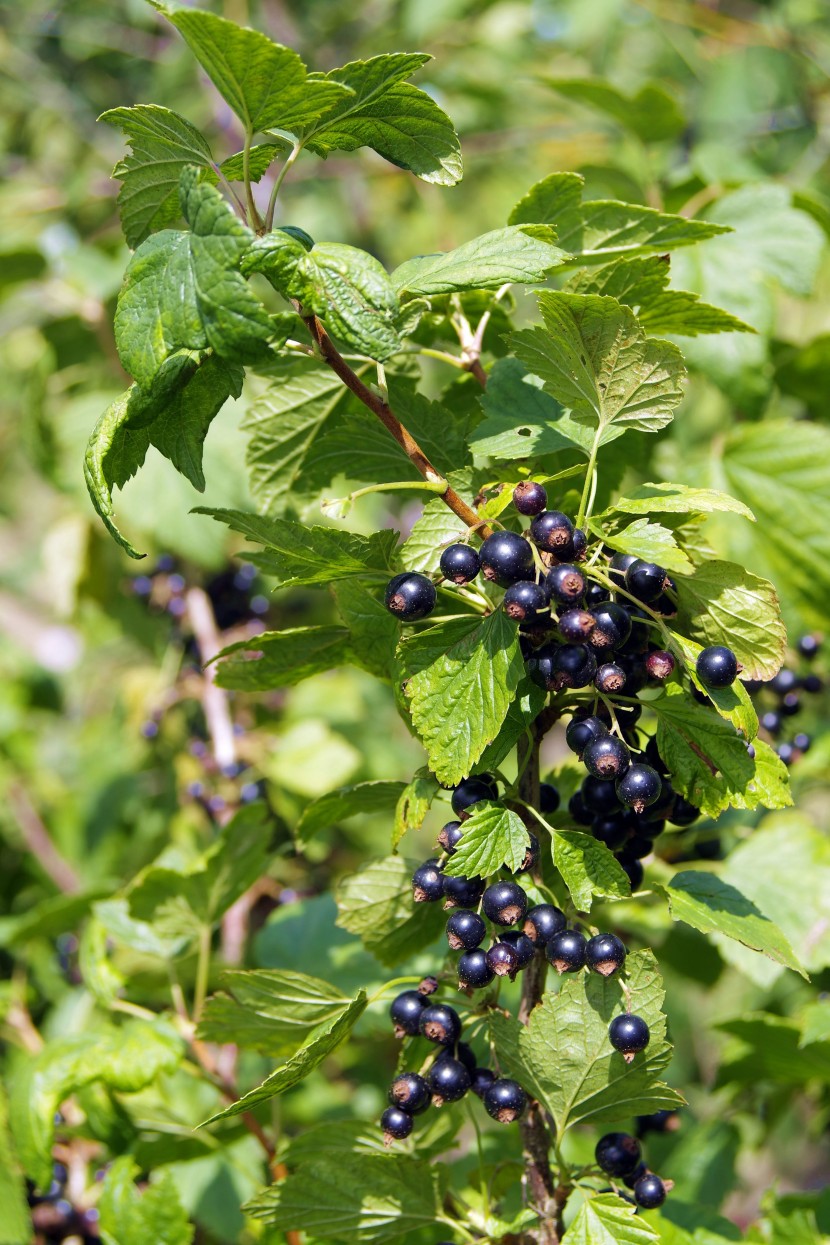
<point>784,694</point>
<point>619,1155</point>
<point>234,593</point>
<point>451,1073</point>
<point>55,1219</point>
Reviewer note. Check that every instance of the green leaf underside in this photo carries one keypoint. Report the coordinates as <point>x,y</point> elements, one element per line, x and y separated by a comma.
<point>721,603</point>
<point>564,1057</point>
<point>380,796</point>
<point>711,905</point>
<point>494,837</point>
<point>130,1217</point>
<point>527,704</point>
<point>594,358</point>
<point>284,658</point>
<point>651,112</point>
<point>664,498</point>
<point>461,698</point>
<point>588,868</point>
<point>298,1067</point>
<point>650,541</point>
<point>270,1010</point>
<point>377,905</point>
<point>522,420</point>
<point>413,805</point>
<point>494,259</point>
<point>607,1220</point>
<point>732,703</point>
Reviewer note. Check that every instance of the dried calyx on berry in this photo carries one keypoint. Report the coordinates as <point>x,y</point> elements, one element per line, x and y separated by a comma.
<point>529,498</point>
<point>542,922</point>
<point>506,558</point>
<point>605,954</point>
<point>428,882</point>
<point>410,596</point>
<point>465,930</point>
<point>448,1079</point>
<point>618,1154</point>
<point>459,564</point>
<point>629,1035</point>
<point>505,1101</point>
<point>396,1124</point>
<point>410,1092</point>
<point>505,903</point>
<point>406,1011</point>
<point>566,951</point>
<point>440,1023</point>
<point>553,532</point>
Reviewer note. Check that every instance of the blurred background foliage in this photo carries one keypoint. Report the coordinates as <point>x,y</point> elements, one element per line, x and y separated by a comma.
<point>718,109</point>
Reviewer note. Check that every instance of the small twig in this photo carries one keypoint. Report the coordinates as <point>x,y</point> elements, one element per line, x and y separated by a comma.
<point>214,698</point>
<point>37,840</point>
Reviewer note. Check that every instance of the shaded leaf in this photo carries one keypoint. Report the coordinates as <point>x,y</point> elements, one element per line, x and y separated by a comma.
<point>270,1010</point>
<point>377,905</point>
<point>651,112</point>
<point>132,1218</point>
<point>588,868</point>
<point>281,658</point>
<point>335,806</point>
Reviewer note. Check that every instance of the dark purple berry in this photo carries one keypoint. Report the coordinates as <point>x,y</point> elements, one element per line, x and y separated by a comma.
<point>802,741</point>
<point>503,960</point>
<point>459,564</point>
<point>658,1122</point>
<point>529,498</point>
<point>428,882</point>
<point>567,951</point>
<point>525,601</point>
<point>595,594</point>
<point>553,531</point>
<point>440,1023</point>
<point>462,892</point>
<point>634,872</point>
<point>410,1092</point>
<point>575,626</point>
<point>606,757</point>
<point>618,1154</point>
<point>645,580</point>
<point>605,954</point>
<point>406,1012</point>
<point>449,1080</point>
<point>619,565</point>
<point>465,930</point>
<point>505,1101</point>
<point>505,903</point>
<point>639,786</point>
<point>600,795</point>
<point>505,558</point>
<point>472,791</point>
<point>580,544</point>
<point>612,829</point>
<point>521,944</point>
<point>628,1035</point>
<point>717,666</point>
<point>573,665</point>
<point>783,682</point>
<point>786,753</point>
<point>581,731</point>
<point>634,670</point>
<point>808,646</point>
<point>663,806</point>
<point>684,813</point>
<point>463,1052</point>
<point>396,1124</point>
<point>610,678</point>
<point>660,665</point>
<point>409,596</point>
<point>483,1078</point>
<point>612,626</point>
<point>771,722</point>
<point>811,684</point>
<point>474,970</point>
<point>790,704</point>
<point>565,584</point>
<point>579,810</point>
<point>549,798</point>
<point>450,835</point>
<point>649,1191</point>
<point>542,922</point>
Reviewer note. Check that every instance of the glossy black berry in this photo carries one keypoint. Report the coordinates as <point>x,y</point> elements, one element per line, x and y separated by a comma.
<point>410,1092</point>
<point>503,960</point>
<point>406,1011</point>
<point>659,665</point>
<point>634,669</point>
<point>658,1122</point>
<point>649,1191</point>
<point>521,944</point>
<point>505,1101</point>
<point>633,871</point>
<point>450,835</point>
<point>483,1078</point>
<point>771,722</point>
<point>530,498</point>
<point>610,678</point>
<point>505,558</point>
<point>462,892</point>
<point>573,665</point>
<point>639,786</point>
<point>580,544</point>
<point>463,1052</point>
<point>579,810</point>
<point>567,951</point>
<point>785,681</point>
<point>606,757</point>
<point>663,806</point>
<point>440,1023</point>
<point>620,563</point>
<point>552,531</point>
<point>474,970</point>
<point>531,856</point>
<point>459,564</point>
<point>790,704</point>
<point>542,922</point>
<point>540,666</point>
<point>605,954</point>
<point>612,626</point>
<point>472,791</point>
<point>465,930</point>
<point>600,795</point>
<point>812,684</point>
<point>808,646</point>
<point>629,1035</point>
<point>717,666</point>
<point>409,596</point>
<point>786,753</point>
<point>576,625</point>
<point>505,903</point>
<point>525,601</point>
<point>645,580</point>
<point>613,830</point>
<point>582,731</point>
<point>684,813</point>
<point>595,594</point>
<point>449,1080</point>
<point>566,584</point>
<point>549,798</point>
<point>618,1154</point>
<point>428,883</point>
<point>396,1124</point>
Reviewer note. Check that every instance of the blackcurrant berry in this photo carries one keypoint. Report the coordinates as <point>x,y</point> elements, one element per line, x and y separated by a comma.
<point>542,922</point>
<point>505,1101</point>
<point>410,1092</point>
<point>581,731</point>
<point>427,882</point>
<point>406,1012</point>
<point>440,1023</point>
<point>600,795</point>
<point>409,596</point>
<point>811,684</point>
<point>505,903</point>
<point>633,871</point>
<point>566,584</point>
<point>771,722</point>
<point>663,806</point>
<point>521,944</point>
<point>595,594</point>
<point>634,672</point>
<point>472,791</point>
<point>645,580</point>
<point>449,1080</point>
<point>605,954</point>
<point>552,531</point>
<point>549,798</point>
<point>580,544</point>
<point>474,970</point>
<point>610,678</point>
<point>619,565</point>
<point>579,810</point>
<point>612,626</point>
<point>658,1122</point>
<point>503,960</point>
<point>683,813</point>
<point>505,558</point>
<point>531,856</point>
<point>462,892</point>
<point>649,1191</point>
<point>628,1035</point>
<point>465,930</point>
<point>575,626</point>
<point>790,704</point>
<point>618,1154</point>
<point>396,1125</point>
<point>649,828</point>
<point>808,646</point>
<point>450,835</point>
<point>638,787</point>
<point>606,757</point>
<point>525,601</point>
<point>659,665</point>
<point>717,666</point>
<point>483,1078</point>
<point>573,665</point>
<point>612,830</point>
<point>567,951</point>
<point>459,564</point>
<point>786,753</point>
<point>801,741</point>
<point>463,1052</point>
<point>529,498</point>
<point>783,682</point>
<point>540,666</point>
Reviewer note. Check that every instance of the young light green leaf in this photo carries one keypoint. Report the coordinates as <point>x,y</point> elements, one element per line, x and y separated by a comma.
<point>594,358</point>
<point>459,701</point>
<point>326,1039</point>
<point>16,1228</point>
<point>335,806</point>
<point>664,498</point>
<point>704,901</point>
<point>284,658</point>
<point>128,1217</point>
<point>732,703</point>
<point>494,837</point>
<point>413,805</point>
<point>608,1220</point>
<point>377,905</point>
<point>266,84</point>
<point>522,420</point>
<point>514,254</point>
<point>721,603</point>
<point>163,145</point>
<point>270,1010</point>
<point>588,868</point>
<point>650,541</point>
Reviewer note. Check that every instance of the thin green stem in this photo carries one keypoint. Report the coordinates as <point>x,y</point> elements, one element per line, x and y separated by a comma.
<point>615,587</point>
<point>485,1191</point>
<point>391,985</point>
<point>589,487</point>
<point>253,215</point>
<point>278,181</point>
<point>202,971</point>
<point>443,356</point>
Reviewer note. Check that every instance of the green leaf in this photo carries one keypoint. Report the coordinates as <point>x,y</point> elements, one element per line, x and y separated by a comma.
<point>16,1226</point>
<point>132,1218</point>
<point>285,658</point>
<point>588,868</point>
<point>767,1049</point>
<point>708,761</point>
<point>706,902</point>
<point>260,158</point>
<point>336,806</point>
<point>327,1038</point>
<point>413,805</point>
<point>183,290</point>
<point>494,837</point>
<point>733,702</point>
<point>485,263</point>
<point>593,357</point>
<point>114,454</point>
<point>163,144</point>
<point>650,541</point>
<point>608,1220</point>
<point>662,498</point>
<point>394,118</point>
<point>266,84</point>
<point>353,1197</point>
<point>270,1010</point>
<point>373,631</point>
<point>564,1057</point>
<point>528,701</point>
<point>721,603</point>
<point>377,905</point>
<point>180,427</point>
<point>436,528</point>
<point>521,420</point>
<point>651,112</point>
<point>815,1023</point>
<point>459,701</point>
